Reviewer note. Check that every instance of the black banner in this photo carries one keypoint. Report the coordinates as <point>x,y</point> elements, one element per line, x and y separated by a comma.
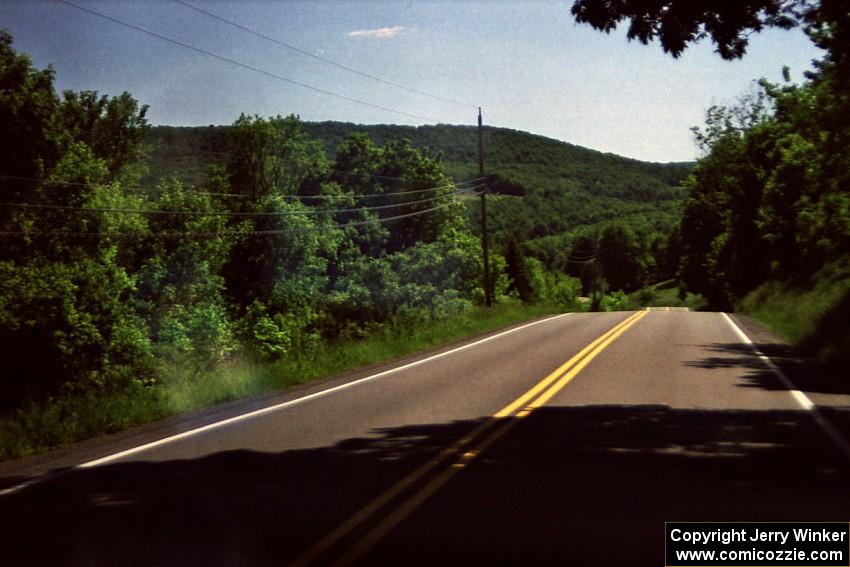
<point>766,544</point>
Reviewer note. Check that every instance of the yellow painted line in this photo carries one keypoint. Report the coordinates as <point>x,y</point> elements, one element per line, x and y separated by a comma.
<point>407,507</point>
<point>573,372</point>
<point>372,507</point>
<point>574,366</point>
<point>525,404</point>
<point>540,386</point>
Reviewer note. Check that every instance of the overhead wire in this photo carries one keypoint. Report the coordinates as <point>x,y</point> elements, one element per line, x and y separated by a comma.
<point>184,234</point>
<point>460,185</point>
<point>337,171</point>
<point>464,193</point>
<point>583,256</point>
<point>319,57</point>
<point>468,186</point>
<point>589,261</point>
<point>244,65</point>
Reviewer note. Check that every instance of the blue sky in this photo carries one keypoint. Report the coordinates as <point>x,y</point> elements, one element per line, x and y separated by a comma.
<point>526,63</point>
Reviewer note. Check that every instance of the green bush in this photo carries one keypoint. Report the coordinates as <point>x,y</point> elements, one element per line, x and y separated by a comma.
<point>616,301</point>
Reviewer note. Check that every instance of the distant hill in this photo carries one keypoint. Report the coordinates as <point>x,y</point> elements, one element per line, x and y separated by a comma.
<point>566,188</point>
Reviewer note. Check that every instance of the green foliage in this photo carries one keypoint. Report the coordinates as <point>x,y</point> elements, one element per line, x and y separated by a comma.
<point>769,200</point>
<point>272,156</point>
<point>665,294</point>
<point>519,272</point>
<point>272,335</point>
<point>178,290</point>
<point>816,316</point>
<point>620,258</point>
<point>563,187</point>
<point>113,128</point>
<point>65,323</point>
<point>678,23</point>
<point>553,287</point>
<point>267,247</point>
<point>37,426</point>
<point>28,106</point>
<point>617,301</point>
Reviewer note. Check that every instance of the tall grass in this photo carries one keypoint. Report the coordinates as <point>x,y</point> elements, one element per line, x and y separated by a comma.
<point>814,317</point>
<point>37,427</point>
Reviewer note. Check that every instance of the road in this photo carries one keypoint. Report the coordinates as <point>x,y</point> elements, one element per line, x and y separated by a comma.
<point>567,441</point>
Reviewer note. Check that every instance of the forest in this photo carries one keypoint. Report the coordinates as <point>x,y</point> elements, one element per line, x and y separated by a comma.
<point>150,270</point>
<point>549,200</point>
<point>108,284</point>
<point>139,261</point>
<point>766,225</point>
<point>137,279</point>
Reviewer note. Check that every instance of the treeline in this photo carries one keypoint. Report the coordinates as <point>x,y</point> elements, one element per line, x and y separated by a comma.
<point>770,199</point>
<point>563,187</point>
<point>108,282</point>
<point>552,203</point>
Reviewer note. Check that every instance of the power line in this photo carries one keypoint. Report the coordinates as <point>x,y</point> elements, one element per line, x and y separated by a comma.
<point>51,182</point>
<point>320,58</point>
<point>590,261</point>
<point>337,171</point>
<point>584,256</point>
<point>466,192</point>
<point>244,65</point>
<point>382,177</point>
<point>459,185</point>
<point>322,228</point>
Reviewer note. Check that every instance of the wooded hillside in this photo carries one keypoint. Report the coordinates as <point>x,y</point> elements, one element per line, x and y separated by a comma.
<point>550,193</point>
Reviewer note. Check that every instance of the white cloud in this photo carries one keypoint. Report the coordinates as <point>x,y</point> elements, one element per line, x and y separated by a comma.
<point>379,33</point>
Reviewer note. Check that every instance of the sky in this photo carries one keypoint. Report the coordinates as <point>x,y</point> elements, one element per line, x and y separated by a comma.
<point>527,64</point>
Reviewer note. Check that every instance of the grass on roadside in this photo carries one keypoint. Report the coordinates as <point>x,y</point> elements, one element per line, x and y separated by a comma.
<point>815,317</point>
<point>37,427</point>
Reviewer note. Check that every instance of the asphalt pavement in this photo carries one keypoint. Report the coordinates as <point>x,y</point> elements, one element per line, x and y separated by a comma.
<point>569,441</point>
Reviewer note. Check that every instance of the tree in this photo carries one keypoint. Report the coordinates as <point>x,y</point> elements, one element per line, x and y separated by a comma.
<point>29,146</point>
<point>677,23</point>
<point>769,199</point>
<point>273,156</point>
<point>178,290</point>
<point>620,258</point>
<point>114,128</point>
<point>273,161</point>
<point>519,272</point>
<point>65,323</point>
<point>421,185</point>
<point>828,25</point>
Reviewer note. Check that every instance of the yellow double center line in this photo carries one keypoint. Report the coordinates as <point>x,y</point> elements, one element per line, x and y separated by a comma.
<point>460,453</point>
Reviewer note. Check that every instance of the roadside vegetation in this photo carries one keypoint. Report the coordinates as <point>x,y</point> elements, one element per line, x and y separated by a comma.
<point>146,272</point>
<point>71,416</point>
<point>814,315</point>
<point>766,225</point>
<point>123,301</point>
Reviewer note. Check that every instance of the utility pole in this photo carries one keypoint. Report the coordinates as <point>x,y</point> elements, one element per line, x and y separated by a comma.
<point>488,294</point>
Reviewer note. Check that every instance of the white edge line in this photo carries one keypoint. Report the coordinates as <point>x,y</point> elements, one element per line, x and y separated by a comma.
<point>274,408</point>
<point>19,487</point>
<point>290,403</point>
<point>802,399</point>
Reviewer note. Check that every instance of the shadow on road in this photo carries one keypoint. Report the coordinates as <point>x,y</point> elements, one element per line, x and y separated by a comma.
<point>568,486</point>
<point>807,374</point>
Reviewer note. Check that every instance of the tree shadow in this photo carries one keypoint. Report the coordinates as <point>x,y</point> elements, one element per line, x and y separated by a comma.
<point>806,373</point>
<point>574,486</point>
<point>831,336</point>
